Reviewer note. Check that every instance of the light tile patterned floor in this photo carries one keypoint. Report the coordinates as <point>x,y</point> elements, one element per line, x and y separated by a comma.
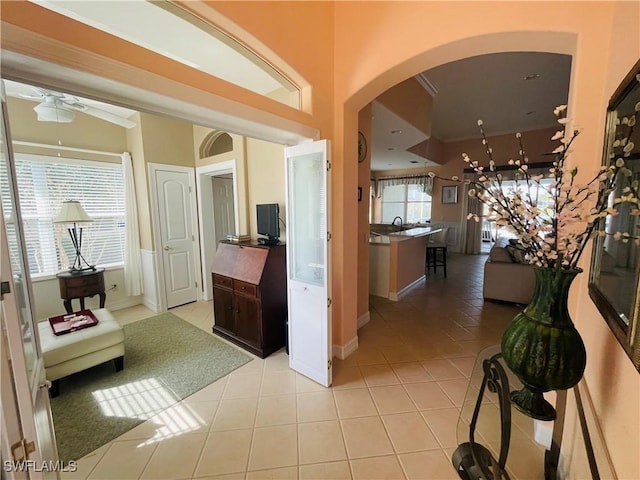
<point>391,413</point>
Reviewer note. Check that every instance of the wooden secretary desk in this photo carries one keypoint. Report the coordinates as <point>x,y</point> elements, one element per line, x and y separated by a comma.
<point>250,296</point>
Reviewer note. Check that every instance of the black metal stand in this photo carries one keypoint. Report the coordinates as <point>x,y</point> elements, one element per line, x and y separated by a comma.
<point>472,460</point>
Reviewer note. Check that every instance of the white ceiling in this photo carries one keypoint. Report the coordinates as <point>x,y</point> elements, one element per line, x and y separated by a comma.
<point>154,27</point>
<point>26,92</point>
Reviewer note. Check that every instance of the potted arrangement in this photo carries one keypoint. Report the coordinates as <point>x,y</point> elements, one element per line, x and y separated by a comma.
<point>541,345</point>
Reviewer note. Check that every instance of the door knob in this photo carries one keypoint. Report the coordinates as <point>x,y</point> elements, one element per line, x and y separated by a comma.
<point>166,248</point>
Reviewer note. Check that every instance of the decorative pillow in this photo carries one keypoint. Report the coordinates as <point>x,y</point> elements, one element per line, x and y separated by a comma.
<point>499,254</point>
<point>515,253</point>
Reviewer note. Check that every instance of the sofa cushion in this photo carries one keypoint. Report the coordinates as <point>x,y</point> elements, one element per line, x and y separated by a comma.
<point>499,254</point>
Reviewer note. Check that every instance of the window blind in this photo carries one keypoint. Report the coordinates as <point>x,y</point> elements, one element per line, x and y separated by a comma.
<point>43,184</point>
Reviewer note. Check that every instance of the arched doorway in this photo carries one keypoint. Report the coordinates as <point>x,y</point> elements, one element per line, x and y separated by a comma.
<point>355,243</point>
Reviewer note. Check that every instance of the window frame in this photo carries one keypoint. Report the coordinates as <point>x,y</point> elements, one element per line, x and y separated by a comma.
<point>53,237</point>
<point>405,202</point>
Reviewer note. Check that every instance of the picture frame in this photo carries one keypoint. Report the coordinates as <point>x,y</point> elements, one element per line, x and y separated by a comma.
<point>449,194</point>
<point>614,276</point>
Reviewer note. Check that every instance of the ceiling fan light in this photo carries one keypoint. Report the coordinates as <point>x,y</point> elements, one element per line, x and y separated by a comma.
<point>50,113</point>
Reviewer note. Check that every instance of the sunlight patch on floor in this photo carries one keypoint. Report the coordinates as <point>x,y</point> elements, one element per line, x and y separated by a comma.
<point>149,400</point>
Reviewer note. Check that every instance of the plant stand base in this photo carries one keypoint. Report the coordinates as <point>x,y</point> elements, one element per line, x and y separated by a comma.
<point>533,404</point>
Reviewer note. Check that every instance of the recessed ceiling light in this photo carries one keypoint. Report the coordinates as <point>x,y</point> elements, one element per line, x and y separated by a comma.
<point>532,76</point>
<point>393,132</point>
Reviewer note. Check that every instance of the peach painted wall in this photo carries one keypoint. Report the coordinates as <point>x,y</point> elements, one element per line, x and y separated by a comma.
<point>392,43</point>
<point>364,182</point>
<point>350,52</point>
<point>611,382</point>
<point>405,265</point>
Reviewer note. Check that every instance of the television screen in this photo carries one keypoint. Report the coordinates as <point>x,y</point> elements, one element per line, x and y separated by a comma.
<point>268,220</point>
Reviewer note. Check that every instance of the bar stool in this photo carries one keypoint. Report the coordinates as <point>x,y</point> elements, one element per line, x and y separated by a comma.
<point>437,251</point>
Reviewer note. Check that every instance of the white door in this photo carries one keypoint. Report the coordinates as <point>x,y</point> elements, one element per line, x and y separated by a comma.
<point>308,236</point>
<point>174,193</point>
<point>30,436</point>
<point>223,209</point>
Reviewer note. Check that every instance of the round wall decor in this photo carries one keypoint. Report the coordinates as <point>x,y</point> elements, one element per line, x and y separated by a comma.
<point>362,147</point>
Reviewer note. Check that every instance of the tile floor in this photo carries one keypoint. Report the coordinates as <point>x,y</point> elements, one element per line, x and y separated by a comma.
<point>392,411</point>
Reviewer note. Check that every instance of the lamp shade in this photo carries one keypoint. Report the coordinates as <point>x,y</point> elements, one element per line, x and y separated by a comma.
<point>72,212</point>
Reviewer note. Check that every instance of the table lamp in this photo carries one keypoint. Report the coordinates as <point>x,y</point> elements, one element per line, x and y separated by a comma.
<point>72,212</point>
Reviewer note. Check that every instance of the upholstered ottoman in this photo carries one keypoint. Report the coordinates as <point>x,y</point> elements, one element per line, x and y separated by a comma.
<point>81,349</point>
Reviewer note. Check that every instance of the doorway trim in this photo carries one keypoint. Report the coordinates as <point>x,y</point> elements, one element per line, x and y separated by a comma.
<point>208,240</point>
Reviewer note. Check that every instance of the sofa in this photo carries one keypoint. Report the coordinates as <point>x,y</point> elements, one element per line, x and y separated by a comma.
<point>506,276</point>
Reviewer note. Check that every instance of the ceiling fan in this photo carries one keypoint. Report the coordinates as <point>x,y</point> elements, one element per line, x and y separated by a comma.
<point>59,107</point>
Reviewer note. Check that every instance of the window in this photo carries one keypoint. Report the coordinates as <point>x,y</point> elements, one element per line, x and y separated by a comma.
<point>406,201</point>
<point>541,192</point>
<point>43,184</point>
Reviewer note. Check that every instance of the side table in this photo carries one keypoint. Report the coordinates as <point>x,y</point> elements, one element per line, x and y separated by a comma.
<point>81,284</point>
<point>489,429</point>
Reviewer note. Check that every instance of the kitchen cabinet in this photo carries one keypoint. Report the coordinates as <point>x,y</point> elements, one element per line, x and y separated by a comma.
<point>250,296</point>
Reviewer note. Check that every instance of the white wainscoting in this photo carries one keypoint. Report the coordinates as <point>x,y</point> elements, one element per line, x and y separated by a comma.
<point>454,242</point>
<point>150,299</point>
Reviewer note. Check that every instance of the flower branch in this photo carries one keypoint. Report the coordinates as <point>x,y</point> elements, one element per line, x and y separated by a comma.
<point>554,232</point>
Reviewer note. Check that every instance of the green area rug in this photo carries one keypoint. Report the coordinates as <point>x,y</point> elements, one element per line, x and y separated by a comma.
<point>166,359</point>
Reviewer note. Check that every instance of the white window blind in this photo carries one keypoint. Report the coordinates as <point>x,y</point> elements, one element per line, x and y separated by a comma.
<point>44,183</point>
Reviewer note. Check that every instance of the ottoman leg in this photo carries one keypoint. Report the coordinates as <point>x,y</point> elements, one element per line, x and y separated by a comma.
<point>54,391</point>
<point>119,363</point>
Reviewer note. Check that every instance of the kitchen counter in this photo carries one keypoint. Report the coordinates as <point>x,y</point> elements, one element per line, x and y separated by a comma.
<point>396,261</point>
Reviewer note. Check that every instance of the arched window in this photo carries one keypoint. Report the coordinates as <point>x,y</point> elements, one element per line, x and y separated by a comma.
<point>215,143</point>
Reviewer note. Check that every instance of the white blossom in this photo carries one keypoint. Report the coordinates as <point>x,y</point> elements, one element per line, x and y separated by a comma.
<point>559,109</point>
<point>556,231</point>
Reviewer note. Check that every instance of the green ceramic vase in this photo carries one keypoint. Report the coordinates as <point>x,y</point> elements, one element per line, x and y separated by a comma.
<point>542,347</point>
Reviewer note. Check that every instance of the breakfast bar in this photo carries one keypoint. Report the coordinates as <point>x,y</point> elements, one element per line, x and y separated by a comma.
<point>397,261</point>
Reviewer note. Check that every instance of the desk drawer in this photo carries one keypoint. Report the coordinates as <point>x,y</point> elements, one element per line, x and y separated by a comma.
<point>222,281</point>
<point>81,286</point>
<point>245,288</point>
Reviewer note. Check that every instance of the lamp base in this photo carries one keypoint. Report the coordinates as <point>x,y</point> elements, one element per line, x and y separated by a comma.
<point>74,270</point>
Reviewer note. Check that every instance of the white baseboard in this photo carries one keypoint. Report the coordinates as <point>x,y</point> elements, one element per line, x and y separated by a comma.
<point>395,296</point>
<point>363,320</point>
<point>343,351</point>
<point>154,307</point>
<point>126,303</point>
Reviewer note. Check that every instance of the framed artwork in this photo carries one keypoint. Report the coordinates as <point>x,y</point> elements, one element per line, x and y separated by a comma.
<point>450,194</point>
